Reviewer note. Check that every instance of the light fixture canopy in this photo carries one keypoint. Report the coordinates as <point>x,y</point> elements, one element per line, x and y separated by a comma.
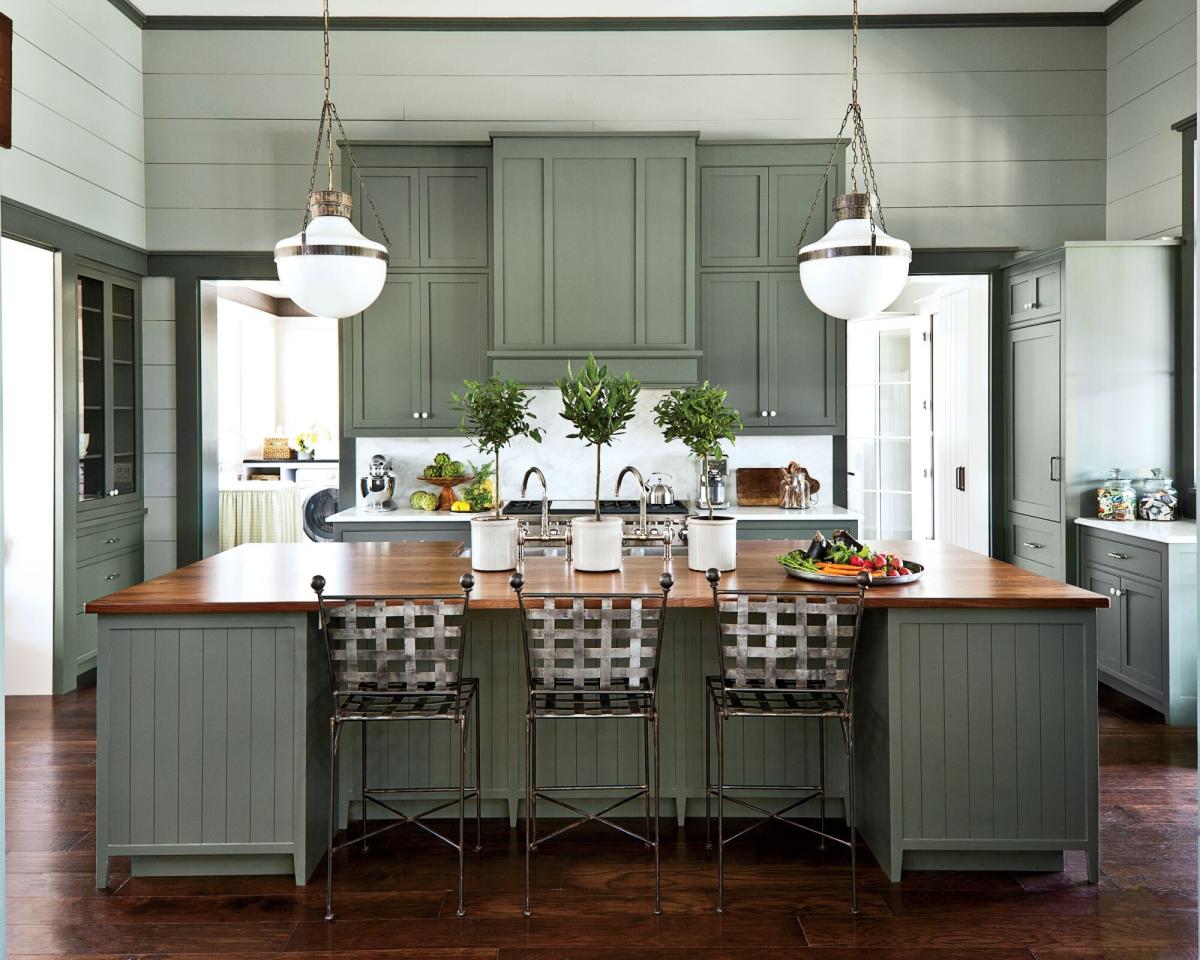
<point>329,268</point>
<point>857,269</point>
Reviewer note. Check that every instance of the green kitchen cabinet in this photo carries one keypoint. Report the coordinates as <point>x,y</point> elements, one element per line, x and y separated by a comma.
<point>781,360</point>
<point>594,242</point>
<point>1086,344</point>
<point>733,224</point>
<point>410,349</point>
<point>432,199</point>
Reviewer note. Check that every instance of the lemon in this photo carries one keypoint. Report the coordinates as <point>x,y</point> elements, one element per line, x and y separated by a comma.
<point>460,506</point>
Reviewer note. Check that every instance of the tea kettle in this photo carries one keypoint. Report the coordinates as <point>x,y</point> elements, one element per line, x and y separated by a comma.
<point>659,489</point>
<point>797,490</point>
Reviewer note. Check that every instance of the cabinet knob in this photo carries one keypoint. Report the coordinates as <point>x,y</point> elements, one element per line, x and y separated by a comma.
<point>762,413</point>
<point>774,414</point>
<point>416,415</point>
<point>424,414</point>
<point>1119,556</point>
<point>1118,593</point>
<point>114,493</point>
<point>1026,306</point>
<point>1112,591</point>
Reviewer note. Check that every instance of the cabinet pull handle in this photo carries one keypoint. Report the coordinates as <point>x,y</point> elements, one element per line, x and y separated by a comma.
<point>1054,468</point>
<point>113,540</point>
<point>1119,556</point>
<point>960,478</point>
<point>113,576</point>
<point>1031,545</point>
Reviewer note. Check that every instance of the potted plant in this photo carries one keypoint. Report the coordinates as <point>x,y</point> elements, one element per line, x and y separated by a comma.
<point>493,414</point>
<point>700,418</point>
<point>599,405</point>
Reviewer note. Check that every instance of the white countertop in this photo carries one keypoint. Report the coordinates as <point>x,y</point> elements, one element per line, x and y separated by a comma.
<point>1160,531</point>
<point>820,514</point>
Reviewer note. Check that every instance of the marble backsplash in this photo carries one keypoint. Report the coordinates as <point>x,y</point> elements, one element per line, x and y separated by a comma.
<point>569,466</point>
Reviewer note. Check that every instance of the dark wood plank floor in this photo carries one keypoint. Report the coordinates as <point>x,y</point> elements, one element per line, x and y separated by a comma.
<point>785,900</point>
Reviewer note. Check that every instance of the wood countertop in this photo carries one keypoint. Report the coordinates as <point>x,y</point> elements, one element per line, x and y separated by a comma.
<point>265,578</point>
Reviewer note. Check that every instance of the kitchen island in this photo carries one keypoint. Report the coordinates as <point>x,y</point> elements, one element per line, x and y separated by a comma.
<point>976,716</point>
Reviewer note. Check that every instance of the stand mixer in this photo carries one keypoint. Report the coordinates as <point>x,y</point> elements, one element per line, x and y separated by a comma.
<point>378,486</point>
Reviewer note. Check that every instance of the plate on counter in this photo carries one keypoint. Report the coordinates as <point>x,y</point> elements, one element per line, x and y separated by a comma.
<point>914,574</point>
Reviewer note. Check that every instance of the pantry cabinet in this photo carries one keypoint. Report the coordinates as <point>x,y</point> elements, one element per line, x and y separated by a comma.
<point>1087,361</point>
<point>1146,638</point>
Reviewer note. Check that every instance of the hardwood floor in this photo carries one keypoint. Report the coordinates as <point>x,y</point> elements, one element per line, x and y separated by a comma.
<point>786,901</point>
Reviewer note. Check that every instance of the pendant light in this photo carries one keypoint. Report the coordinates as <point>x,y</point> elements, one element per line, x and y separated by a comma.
<point>856,269</point>
<point>329,268</point>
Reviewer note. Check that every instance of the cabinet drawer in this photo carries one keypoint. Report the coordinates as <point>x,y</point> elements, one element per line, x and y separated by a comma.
<point>114,539</point>
<point>1035,294</point>
<point>99,579</point>
<point>1035,545</point>
<point>1122,557</point>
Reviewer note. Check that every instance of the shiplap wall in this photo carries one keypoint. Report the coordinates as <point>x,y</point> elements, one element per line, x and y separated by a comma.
<point>1151,85</point>
<point>77,116</point>
<point>976,141</point>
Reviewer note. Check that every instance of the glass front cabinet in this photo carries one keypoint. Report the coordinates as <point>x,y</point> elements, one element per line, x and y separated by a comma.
<point>109,372</point>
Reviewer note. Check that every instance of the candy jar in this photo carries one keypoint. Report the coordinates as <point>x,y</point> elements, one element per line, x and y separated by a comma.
<point>1116,500</point>
<point>1157,498</point>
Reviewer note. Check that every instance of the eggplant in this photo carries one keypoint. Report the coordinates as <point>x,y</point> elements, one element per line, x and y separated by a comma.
<point>818,549</point>
<point>842,536</point>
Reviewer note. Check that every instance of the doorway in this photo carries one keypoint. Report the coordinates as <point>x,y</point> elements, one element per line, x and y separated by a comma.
<point>29,309</point>
<point>918,431</point>
<point>277,410</point>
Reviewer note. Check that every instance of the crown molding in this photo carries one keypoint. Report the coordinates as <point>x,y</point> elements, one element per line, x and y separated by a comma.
<point>632,24</point>
<point>129,10</point>
<point>1119,9</point>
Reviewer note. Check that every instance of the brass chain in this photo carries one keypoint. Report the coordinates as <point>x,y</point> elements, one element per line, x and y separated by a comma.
<point>325,36</point>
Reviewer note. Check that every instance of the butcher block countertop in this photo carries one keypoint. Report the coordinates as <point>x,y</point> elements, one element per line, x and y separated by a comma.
<point>266,578</point>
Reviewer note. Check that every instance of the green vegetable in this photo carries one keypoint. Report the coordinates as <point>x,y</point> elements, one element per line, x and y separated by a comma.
<point>455,469</point>
<point>423,500</point>
<point>442,459</point>
<point>477,493</point>
<point>798,560</point>
<point>432,470</point>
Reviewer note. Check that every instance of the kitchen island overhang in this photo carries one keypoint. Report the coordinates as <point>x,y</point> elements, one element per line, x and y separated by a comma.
<point>976,716</point>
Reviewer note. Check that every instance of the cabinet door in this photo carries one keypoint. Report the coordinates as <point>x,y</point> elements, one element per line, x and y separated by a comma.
<point>1019,296</point>
<point>126,389</point>
<point>93,389</point>
<point>805,351</point>
<point>454,217</point>
<point>386,359</point>
<point>734,309</point>
<point>791,197</point>
<point>734,216</point>
<point>394,191</point>
<point>1034,294</point>
<point>1108,622</point>
<point>1142,609</point>
<point>455,325</point>
<point>1033,414</point>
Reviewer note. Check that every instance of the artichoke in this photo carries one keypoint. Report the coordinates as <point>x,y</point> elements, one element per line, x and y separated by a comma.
<point>432,470</point>
<point>455,468</point>
<point>442,459</point>
<point>423,500</point>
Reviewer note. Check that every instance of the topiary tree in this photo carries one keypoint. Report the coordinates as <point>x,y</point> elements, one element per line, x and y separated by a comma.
<point>700,418</point>
<point>599,405</point>
<point>494,413</point>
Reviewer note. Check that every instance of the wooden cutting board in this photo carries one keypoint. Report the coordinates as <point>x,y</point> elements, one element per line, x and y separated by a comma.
<point>758,486</point>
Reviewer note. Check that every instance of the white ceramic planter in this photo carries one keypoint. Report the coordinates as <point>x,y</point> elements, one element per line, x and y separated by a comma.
<point>596,544</point>
<point>493,543</point>
<point>712,543</point>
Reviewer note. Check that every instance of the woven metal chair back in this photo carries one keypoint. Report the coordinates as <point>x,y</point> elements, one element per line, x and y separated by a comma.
<point>394,645</point>
<point>592,641</point>
<point>798,641</point>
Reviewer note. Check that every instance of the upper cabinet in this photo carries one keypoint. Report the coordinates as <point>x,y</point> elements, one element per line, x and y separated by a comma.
<point>433,202</point>
<point>594,242</point>
<point>109,376</point>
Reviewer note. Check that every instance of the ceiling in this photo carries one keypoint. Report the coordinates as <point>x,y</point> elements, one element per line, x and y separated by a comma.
<point>606,8</point>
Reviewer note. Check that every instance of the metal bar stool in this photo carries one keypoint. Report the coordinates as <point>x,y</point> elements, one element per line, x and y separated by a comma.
<point>782,655</point>
<point>399,659</point>
<point>587,657</point>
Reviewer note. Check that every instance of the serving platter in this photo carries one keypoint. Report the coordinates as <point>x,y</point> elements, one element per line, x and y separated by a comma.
<point>876,581</point>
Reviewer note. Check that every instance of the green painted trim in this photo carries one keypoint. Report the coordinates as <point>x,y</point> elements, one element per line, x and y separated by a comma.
<point>1118,10</point>
<point>134,15</point>
<point>638,24</point>
<point>213,865</point>
<point>196,503</point>
<point>1187,123</point>
<point>23,222</point>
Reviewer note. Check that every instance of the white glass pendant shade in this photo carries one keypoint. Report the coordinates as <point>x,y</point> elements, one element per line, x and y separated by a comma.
<point>331,269</point>
<point>844,275</point>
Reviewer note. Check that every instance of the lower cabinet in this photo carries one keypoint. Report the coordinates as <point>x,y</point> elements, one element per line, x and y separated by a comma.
<point>108,555</point>
<point>1146,638</point>
<point>1036,545</point>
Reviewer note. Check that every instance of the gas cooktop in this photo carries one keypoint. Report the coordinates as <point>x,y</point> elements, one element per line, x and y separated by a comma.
<point>577,508</point>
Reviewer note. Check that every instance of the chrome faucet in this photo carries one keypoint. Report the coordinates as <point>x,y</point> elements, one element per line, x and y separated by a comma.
<point>637,475</point>
<point>532,471</point>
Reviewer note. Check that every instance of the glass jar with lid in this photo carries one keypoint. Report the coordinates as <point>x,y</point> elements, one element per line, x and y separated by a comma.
<point>1116,500</point>
<point>1157,498</point>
